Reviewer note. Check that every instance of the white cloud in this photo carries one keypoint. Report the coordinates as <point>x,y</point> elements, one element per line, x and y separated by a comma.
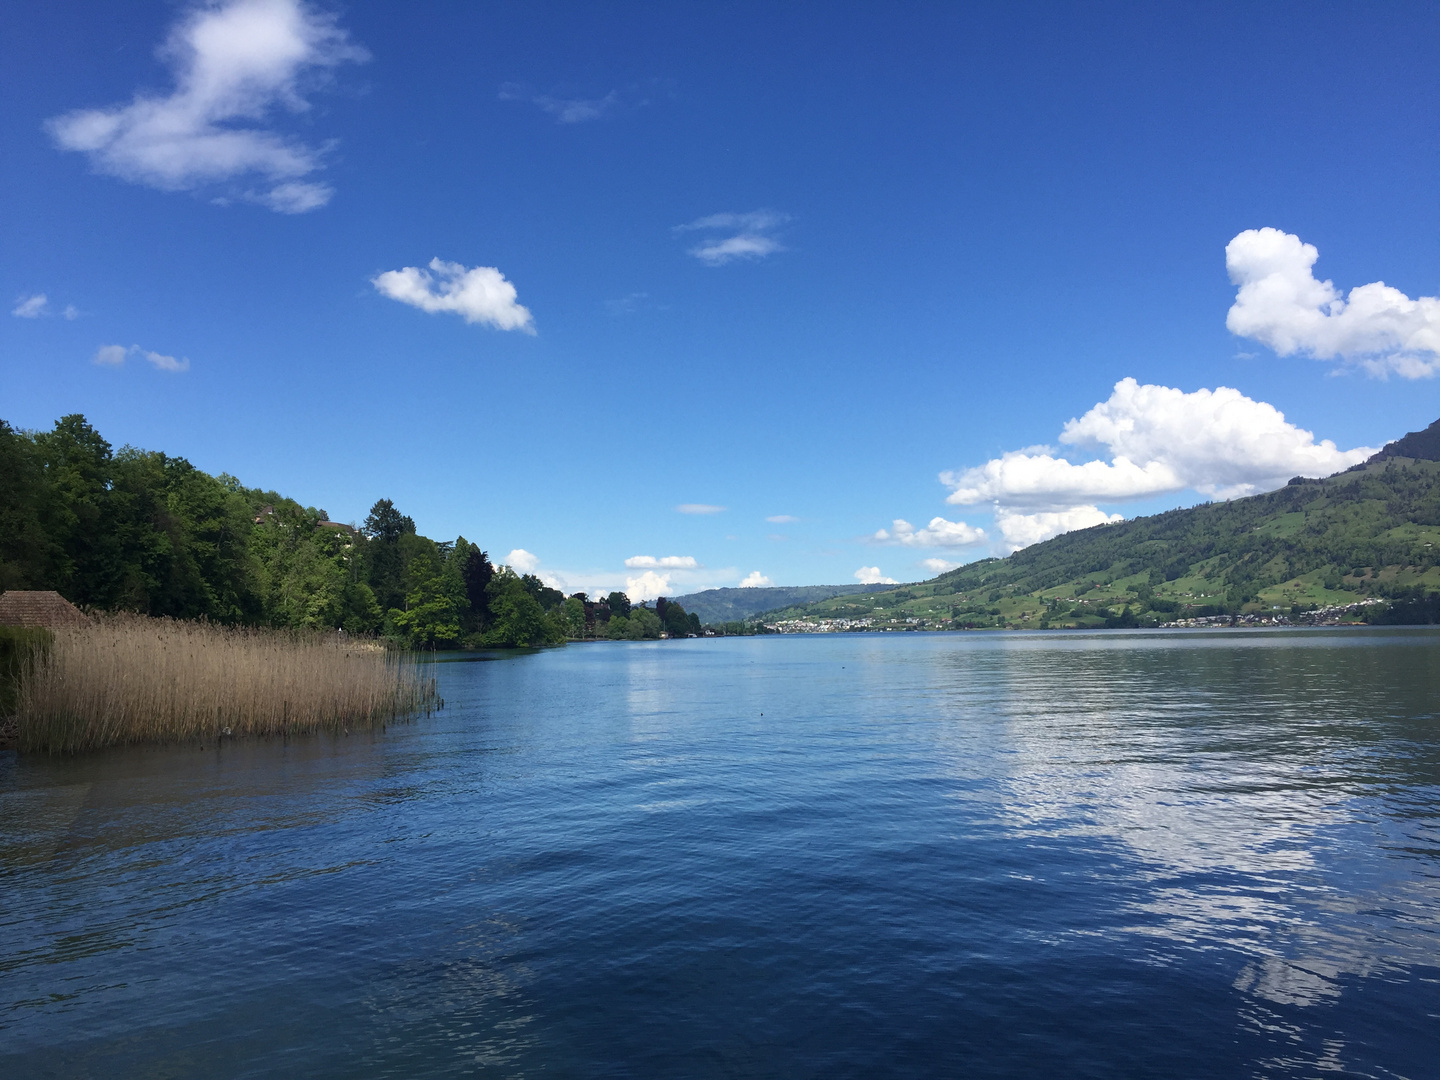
<point>939,533</point>
<point>481,294</point>
<point>871,575</point>
<point>522,561</point>
<point>1281,304</point>
<point>749,236</point>
<point>566,110</point>
<point>699,508</point>
<point>1160,440</point>
<point>1021,530</point>
<point>782,519</point>
<point>71,312</point>
<point>233,63</point>
<point>756,580</point>
<point>939,566</point>
<point>163,362</point>
<point>665,562</point>
<point>648,586</point>
<point>116,355</point>
<point>30,307</point>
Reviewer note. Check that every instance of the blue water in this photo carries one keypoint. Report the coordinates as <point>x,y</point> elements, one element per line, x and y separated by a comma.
<point>1165,854</point>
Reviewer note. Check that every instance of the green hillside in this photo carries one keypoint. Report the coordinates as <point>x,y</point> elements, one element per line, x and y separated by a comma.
<point>1372,532</point>
<point>735,605</point>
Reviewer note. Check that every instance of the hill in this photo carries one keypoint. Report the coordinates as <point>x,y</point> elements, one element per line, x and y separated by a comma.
<point>715,606</point>
<point>1371,533</point>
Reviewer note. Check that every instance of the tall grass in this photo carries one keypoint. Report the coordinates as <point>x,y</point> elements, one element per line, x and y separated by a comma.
<point>130,679</point>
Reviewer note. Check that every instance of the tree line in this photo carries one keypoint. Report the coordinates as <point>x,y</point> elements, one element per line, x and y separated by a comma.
<point>142,531</point>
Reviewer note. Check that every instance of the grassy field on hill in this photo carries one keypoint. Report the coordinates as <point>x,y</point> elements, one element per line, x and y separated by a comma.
<point>1372,532</point>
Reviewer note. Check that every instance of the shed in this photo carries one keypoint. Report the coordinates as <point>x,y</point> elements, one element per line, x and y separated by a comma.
<point>39,607</point>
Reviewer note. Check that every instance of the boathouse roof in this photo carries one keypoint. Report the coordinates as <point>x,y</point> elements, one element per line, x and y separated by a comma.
<point>39,607</point>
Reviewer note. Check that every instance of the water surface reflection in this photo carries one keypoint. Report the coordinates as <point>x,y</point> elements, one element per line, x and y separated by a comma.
<point>1147,854</point>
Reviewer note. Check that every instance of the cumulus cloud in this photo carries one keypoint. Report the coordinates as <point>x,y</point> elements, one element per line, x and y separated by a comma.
<point>939,566</point>
<point>1021,530</point>
<point>523,561</point>
<point>1282,304</point>
<point>756,580</point>
<point>699,508</point>
<point>479,295</point>
<point>234,64</point>
<point>1160,440</point>
<point>30,307</point>
<point>566,110</point>
<point>648,586</point>
<point>939,533</point>
<point>116,355</point>
<point>664,562</point>
<point>736,236</point>
<point>871,575</point>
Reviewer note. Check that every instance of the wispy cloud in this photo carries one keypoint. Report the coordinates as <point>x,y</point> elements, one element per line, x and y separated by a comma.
<point>566,110</point>
<point>782,519</point>
<point>116,355</point>
<point>699,508</point>
<point>628,304</point>
<point>478,295</point>
<point>756,580</point>
<point>234,65</point>
<point>664,562</point>
<point>1280,303</point>
<point>732,236</point>
<point>30,307</point>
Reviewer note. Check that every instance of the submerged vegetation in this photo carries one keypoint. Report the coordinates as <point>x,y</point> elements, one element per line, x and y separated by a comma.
<point>131,679</point>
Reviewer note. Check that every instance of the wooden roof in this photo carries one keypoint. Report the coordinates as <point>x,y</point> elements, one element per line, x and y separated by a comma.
<point>19,607</point>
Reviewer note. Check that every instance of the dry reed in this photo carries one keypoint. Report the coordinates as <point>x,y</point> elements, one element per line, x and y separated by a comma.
<point>130,679</point>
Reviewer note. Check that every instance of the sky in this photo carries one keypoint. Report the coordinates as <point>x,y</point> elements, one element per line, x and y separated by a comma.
<point>667,297</point>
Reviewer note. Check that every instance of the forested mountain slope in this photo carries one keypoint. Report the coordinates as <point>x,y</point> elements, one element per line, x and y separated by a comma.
<point>733,605</point>
<point>1370,532</point>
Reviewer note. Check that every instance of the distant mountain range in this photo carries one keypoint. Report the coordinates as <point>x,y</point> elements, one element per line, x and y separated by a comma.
<point>1371,533</point>
<point>716,606</point>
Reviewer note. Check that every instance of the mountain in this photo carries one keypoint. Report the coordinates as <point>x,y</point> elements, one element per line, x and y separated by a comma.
<point>1420,445</point>
<point>1371,533</point>
<point>716,606</point>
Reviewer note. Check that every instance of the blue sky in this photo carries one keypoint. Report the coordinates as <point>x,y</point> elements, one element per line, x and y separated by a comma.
<point>793,261</point>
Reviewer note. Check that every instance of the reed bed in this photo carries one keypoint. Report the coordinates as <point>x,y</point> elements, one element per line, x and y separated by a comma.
<point>131,679</point>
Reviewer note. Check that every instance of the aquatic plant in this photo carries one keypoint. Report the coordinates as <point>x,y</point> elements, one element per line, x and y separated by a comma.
<point>132,679</point>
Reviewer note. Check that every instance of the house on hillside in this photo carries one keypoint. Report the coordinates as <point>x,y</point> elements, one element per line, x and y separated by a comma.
<point>36,607</point>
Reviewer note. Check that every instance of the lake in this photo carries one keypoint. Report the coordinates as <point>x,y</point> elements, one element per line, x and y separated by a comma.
<point>1115,854</point>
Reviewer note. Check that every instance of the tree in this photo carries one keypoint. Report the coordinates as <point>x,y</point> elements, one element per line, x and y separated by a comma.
<point>387,524</point>
<point>27,549</point>
<point>618,604</point>
<point>516,617</point>
<point>431,618</point>
<point>572,612</point>
<point>476,572</point>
